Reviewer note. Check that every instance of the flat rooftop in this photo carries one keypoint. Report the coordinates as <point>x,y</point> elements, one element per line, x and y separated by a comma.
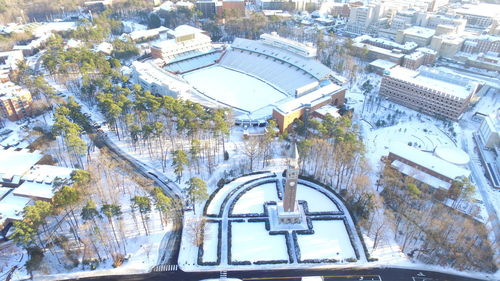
<point>384,64</point>
<point>430,78</point>
<point>419,31</point>
<point>17,163</point>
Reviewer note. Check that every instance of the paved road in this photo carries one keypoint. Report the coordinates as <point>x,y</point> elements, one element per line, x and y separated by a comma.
<point>379,274</point>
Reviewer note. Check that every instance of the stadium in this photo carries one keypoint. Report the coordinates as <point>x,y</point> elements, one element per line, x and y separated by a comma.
<point>272,77</point>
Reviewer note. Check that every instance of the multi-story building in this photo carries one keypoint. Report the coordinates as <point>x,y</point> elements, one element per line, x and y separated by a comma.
<point>186,39</point>
<point>420,35</point>
<point>429,91</point>
<point>413,60</point>
<point>361,18</point>
<point>482,44</point>
<point>233,7</point>
<point>335,9</point>
<point>479,15</point>
<point>209,8</point>
<point>434,20</point>
<point>447,45</point>
<point>15,102</point>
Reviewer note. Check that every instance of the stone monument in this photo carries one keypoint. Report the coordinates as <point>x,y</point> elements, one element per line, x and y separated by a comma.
<point>288,209</point>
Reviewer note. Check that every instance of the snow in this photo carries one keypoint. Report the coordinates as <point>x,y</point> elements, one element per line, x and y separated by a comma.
<point>331,233</point>
<point>316,201</point>
<point>252,242</point>
<point>216,202</point>
<point>427,160</point>
<point>234,88</point>
<point>453,155</point>
<point>253,200</point>
<point>11,207</point>
<point>210,242</point>
<point>17,163</point>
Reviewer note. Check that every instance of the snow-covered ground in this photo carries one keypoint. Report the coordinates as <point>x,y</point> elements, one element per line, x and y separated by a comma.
<point>216,203</point>
<point>210,242</point>
<point>327,232</point>
<point>234,88</point>
<point>316,201</point>
<point>248,204</point>
<point>252,242</point>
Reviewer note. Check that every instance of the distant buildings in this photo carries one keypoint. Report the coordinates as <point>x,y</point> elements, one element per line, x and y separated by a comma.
<point>15,101</point>
<point>479,15</point>
<point>428,91</point>
<point>214,8</point>
<point>361,19</point>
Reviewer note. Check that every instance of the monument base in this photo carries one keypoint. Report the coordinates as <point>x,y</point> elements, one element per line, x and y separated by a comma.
<point>280,220</point>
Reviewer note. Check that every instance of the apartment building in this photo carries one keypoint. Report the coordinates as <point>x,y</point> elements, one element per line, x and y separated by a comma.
<point>429,91</point>
<point>15,102</point>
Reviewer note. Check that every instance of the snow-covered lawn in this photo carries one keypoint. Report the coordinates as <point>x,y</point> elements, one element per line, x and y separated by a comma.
<point>210,242</point>
<point>252,242</point>
<point>216,203</point>
<point>234,88</point>
<point>329,241</point>
<point>316,201</point>
<point>252,202</point>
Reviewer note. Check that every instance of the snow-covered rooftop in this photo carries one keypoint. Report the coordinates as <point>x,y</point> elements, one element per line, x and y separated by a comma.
<point>428,160</point>
<point>384,64</point>
<point>12,58</point>
<point>452,154</point>
<point>446,83</point>
<point>418,31</point>
<point>17,163</point>
<point>148,33</point>
<point>311,99</point>
<point>11,207</point>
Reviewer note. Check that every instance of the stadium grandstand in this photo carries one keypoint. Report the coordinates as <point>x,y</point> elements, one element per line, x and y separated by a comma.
<point>271,77</point>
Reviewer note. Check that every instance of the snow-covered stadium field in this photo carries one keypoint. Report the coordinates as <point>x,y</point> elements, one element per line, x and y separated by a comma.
<point>234,88</point>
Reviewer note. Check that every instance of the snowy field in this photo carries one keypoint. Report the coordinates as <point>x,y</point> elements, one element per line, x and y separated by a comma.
<point>331,233</point>
<point>247,204</point>
<point>316,201</point>
<point>234,88</point>
<point>216,203</point>
<point>210,242</point>
<point>252,242</point>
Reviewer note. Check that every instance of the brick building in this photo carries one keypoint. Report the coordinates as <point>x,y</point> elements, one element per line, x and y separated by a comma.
<point>15,102</point>
<point>429,91</point>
